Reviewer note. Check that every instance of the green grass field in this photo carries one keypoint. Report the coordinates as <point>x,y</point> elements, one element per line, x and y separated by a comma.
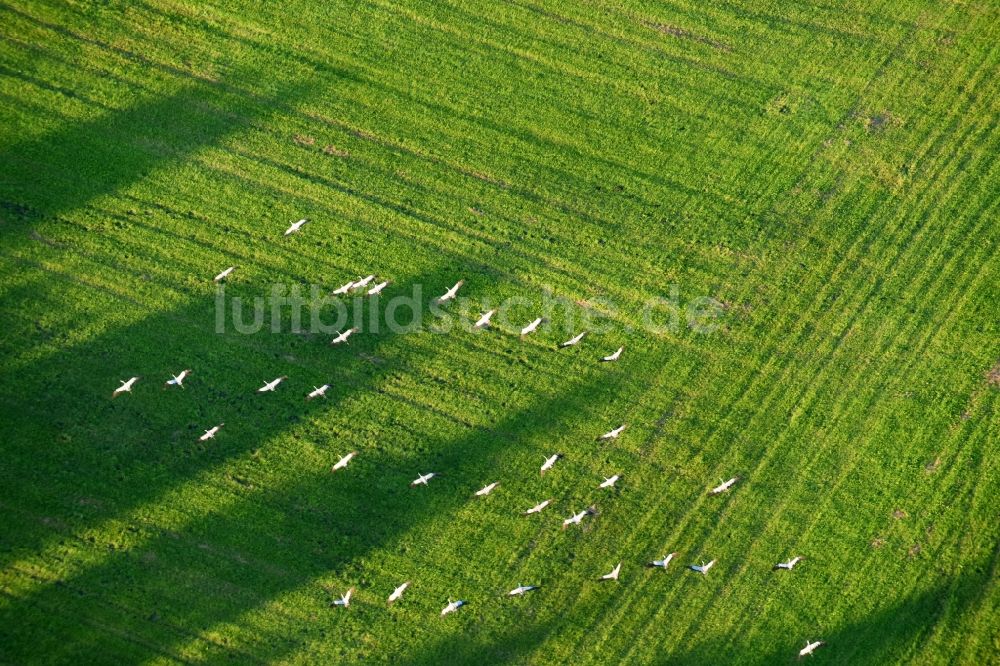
<point>827,172</point>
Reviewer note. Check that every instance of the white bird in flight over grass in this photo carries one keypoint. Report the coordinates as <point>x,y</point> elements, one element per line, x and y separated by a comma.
<point>345,600</point>
<point>487,489</point>
<point>702,568</point>
<point>318,391</point>
<point>363,282</point>
<point>532,327</point>
<point>484,319</point>
<point>609,481</point>
<point>789,564</point>
<point>423,479</point>
<point>224,274</point>
<point>521,589</point>
<point>613,434</point>
<point>577,517</point>
<point>724,486</point>
<point>342,289</point>
<point>550,461</point>
<point>296,226</point>
<point>377,289</point>
<point>574,340</point>
<point>126,386</point>
<point>210,433</point>
<point>452,606</point>
<point>450,294</point>
<point>271,385</point>
<point>810,648</point>
<point>613,574</point>
<point>342,463</point>
<point>343,335</point>
<point>664,563</point>
<point>538,507</point>
<point>613,357</point>
<point>178,379</point>
<point>398,592</point>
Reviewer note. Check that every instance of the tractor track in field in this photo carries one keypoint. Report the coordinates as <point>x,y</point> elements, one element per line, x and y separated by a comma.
<point>942,282</point>
<point>825,172</point>
<point>842,475</point>
<point>778,383</point>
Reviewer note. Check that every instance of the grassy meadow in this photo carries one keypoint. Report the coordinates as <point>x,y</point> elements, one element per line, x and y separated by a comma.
<point>827,173</point>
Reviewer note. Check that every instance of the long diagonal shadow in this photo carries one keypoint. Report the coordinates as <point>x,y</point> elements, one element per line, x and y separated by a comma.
<point>69,167</point>
<point>308,526</point>
<point>893,634</point>
<point>56,406</point>
<point>62,171</point>
<point>138,448</point>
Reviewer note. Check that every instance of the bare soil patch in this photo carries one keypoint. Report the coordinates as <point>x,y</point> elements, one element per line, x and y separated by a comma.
<point>880,121</point>
<point>993,376</point>
<point>330,149</point>
<point>682,33</point>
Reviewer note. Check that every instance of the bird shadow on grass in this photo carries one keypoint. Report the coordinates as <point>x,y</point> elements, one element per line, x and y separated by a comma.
<point>894,633</point>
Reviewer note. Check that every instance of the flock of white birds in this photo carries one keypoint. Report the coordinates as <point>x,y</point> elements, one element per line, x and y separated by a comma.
<point>483,321</point>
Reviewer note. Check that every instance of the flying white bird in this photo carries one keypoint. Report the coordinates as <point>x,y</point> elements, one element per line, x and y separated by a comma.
<point>318,391</point>
<point>423,479</point>
<point>398,592</point>
<point>532,327</point>
<point>810,647</point>
<point>577,517</point>
<point>126,386</point>
<point>521,589</point>
<point>210,433</point>
<point>702,568</point>
<point>550,461</point>
<point>296,226</point>
<point>342,463</point>
<point>271,385</point>
<point>538,507</point>
<point>377,289</point>
<point>613,357</point>
<point>610,481</point>
<point>484,319</point>
<point>574,340</point>
<point>342,289</point>
<point>664,563</point>
<point>486,490</point>
<point>613,575</point>
<point>789,564</point>
<point>363,282</point>
<point>613,434</point>
<point>178,379</point>
<point>345,600</point>
<point>343,335</point>
<point>452,606</point>
<point>450,294</point>
<point>224,274</point>
<point>723,487</point>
